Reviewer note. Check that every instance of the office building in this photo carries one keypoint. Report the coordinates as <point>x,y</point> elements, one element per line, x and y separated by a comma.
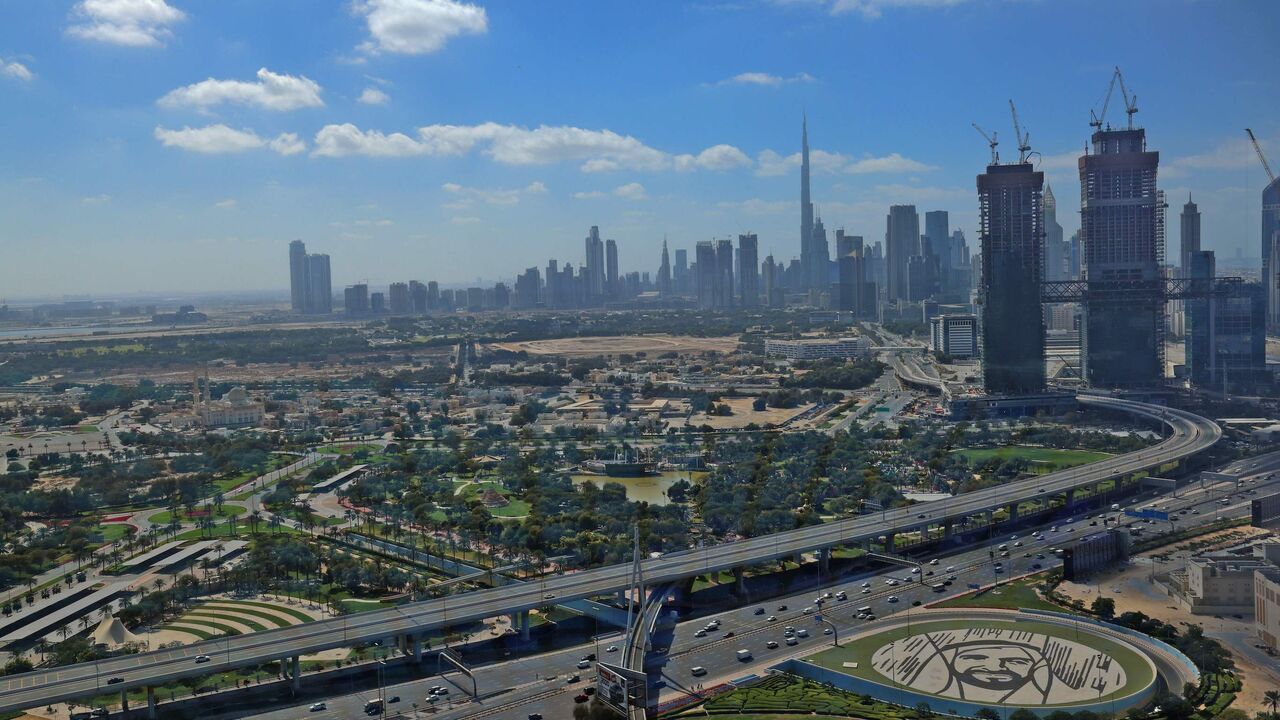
<point>1011,239</point>
<point>355,299</point>
<point>611,285</point>
<point>298,276</point>
<point>847,244</point>
<point>680,274</point>
<point>818,349</point>
<point>665,286</point>
<point>707,276</point>
<point>1121,242</point>
<point>1226,342</point>
<point>807,260</point>
<point>319,285</point>
<point>749,269</point>
<point>594,272</point>
<point>1190,236</point>
<point>398,295</point>
<point>773,296</point>
<point>954,335</point>
<point>1055,250</point>
<point>724,274</point>
<point>901,242</point>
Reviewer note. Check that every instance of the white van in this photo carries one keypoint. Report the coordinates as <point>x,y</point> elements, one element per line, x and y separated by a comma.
<point>744,655</point>
<point>698,671</point>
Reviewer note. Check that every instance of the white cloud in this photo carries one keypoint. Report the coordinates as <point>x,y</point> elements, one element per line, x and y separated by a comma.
<point>630,191</point>
<point>1068,160</point>
<point>347,139</point>
<point>491,196</point>
<point>374,96</point>
<point>770,163</point>
<point>102,199</point>
<point>415,27</point>
<point>16,70</point>
<point>891,163</point>
<point>133,23</point>
<point>1229,154</point>
<point>717,157</point>
<point>870,9</point>
<point>227,204</point>
<point>220,139</point>
<point>766,79</point>
<point>272,91</point>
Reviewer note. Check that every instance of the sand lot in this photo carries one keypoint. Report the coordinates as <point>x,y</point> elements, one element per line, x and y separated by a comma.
<point>1132,589</point>
<point>743,415</point>
<point>618,344</point>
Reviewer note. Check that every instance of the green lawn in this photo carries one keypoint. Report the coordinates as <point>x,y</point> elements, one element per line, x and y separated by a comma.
<point>301,616</point>
<point>239,609</point>
<point>1041,459</point>
<point>112,532</point>
<point>1011,596</point>
<point>782,696</point>
<point>348,449</point>
<point>164,516</point>
<point>200,615</point>
<point>1137,669</point>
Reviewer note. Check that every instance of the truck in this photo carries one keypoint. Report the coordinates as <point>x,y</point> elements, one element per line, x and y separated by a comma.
<point>744,655</point>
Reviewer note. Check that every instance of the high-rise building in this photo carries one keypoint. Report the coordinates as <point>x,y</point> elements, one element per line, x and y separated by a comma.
<point>1226,339</point>
<point>418,296</point>
<point>724,273</point>
<point>1055,258</point>
<point>769,270</point>
<point>664,271</point>
<point>398,294</point>
<point>1121,238</point>
<point>819,257</point>
<point>707,275</point>
<point>681,273</point>
<point>612,288</point>
<point>377,302</point>
<point>806,208</point>
<point>1190,236</point>
<point>1011,236</point>
<point>298,276</point>
<point>433,295</point>
<point>902,242</point>
<point>1271,263</point>
<point>526,291</point>
<point>1073,256</point>
<point>954,335</point>
<point>593,274</point>
<point>355,299</point>
<point>319,299</point>
<point>749,269</point>
<point>937,228</point>
<point>847,244</point>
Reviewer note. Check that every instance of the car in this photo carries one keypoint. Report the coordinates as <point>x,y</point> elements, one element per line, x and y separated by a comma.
<point>808,611</point>
<point>549,596</point>
<point>589,656</point>
<point>1035,566</point>
<point>535,716</point>
<point>788,630</point>
<point>782,608</point>
<point>772,644</point>
<point>394,699</point>
<point>933,561</point>
<point>791,640</point>
<point>317,707</point>
<point>801,632</point>
<point>583,664</point>
<point>999,569</point>
<point>866,584</point>
<point>759,611</point>
<point>581,698</point>
<point>947,583</point>
<point>772,618</point>
<point>434,689</point>
<point>915,570</point>
<point>697,671</point>
<point>891,582</point>
<point>611,648</point>
<point>915,603</point>
<point>951,568</point>
<point>920,516</point>
<point>1018,544</point>
<point>893,598</point>
<point>842,596</point>
<point>440,692</point>
<point>826,631</point>
<point>589,690</point>
<point>727,635</point>
<point>572,679</point>
<point>202,658</point>
<point>700,634</point>
<point>866,591</point>
<point>114,680</point>
<point>1039,556</point>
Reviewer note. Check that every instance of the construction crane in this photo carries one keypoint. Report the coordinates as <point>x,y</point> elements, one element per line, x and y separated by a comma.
<point>991,142</point>
<point>1258,149</point>
<point>1024,141</point>
<point>1097,117</point>
<point>1130,104</point>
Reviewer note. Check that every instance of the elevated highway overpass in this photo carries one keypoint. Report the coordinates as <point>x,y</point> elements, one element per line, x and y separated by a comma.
<point>407,624</point>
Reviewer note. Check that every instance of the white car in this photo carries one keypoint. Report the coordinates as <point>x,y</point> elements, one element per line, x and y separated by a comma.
<point>893,598</point>
<point>773,618</point>
<point>317,707</point>
<point>584,664</point>
<point>891,582</point>
<point>866,584</point>
<point>611,648</point>
<point>202,658</point>
<point>933,561</point>
<point>866,591</point>
<point>808,611</point>
<point>791,640</point>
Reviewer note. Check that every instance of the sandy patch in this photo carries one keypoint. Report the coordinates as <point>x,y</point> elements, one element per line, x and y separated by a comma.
<point>618,344</point>
<point>743,415</point>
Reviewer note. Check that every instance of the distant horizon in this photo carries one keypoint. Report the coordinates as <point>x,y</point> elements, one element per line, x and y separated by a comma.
<point>185,149</point>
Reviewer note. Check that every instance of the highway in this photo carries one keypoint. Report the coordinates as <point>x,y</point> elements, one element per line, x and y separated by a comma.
<point>1190,434</point>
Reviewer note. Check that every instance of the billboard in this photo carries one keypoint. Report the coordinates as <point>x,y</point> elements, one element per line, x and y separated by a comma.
<point>1264,511</point>
<point>1148,513</point>
<point>611,688</point>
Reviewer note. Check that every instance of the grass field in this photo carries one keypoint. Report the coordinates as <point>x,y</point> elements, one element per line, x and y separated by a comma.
<point>781,696</point>
<point>1011,596</point>
<point>164,516</point>
<point>513,508</point>
<point>1041,459</point>
<point>1137,669</point>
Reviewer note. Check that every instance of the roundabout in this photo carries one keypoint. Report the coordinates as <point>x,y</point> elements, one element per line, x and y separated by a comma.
<point>962,662</point>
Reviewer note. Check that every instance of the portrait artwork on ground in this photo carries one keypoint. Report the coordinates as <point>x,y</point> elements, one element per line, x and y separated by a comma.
<point>1000,666</point>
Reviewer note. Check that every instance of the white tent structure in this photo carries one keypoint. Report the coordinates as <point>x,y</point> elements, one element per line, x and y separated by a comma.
<point>113,634</point>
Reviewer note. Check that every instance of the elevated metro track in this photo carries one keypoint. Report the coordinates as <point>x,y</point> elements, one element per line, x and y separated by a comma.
<point>1188,434</point>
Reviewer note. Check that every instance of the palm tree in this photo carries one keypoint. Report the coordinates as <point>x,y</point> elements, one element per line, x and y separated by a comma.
<point>1272,698</point>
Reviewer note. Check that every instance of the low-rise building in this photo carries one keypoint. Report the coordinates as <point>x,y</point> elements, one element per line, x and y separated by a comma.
<point>818,348</point>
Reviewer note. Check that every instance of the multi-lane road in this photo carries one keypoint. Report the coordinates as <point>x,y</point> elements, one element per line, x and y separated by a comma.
<point>1189,434</point>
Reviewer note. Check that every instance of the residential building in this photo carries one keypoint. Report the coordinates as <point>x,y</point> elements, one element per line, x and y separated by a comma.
<point>818,349</point>
<point>954,335</point>
<point>902,242</point>
<point>749,269</point>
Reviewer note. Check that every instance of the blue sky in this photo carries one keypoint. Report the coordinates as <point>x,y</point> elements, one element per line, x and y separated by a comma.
<point>169,145</point>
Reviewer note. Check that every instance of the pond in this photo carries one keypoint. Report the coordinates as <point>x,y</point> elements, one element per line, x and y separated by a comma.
<point>651,488</point>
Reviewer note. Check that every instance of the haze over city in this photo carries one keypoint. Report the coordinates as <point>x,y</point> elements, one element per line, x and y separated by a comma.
<point>175,148</point>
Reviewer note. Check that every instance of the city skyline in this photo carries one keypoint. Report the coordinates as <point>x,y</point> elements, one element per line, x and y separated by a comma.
<point>519,178</point>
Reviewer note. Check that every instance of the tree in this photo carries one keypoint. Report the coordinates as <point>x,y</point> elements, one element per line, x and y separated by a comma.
<point>1272,698</point>
<point>1104,607</point>
<point>987,713</point>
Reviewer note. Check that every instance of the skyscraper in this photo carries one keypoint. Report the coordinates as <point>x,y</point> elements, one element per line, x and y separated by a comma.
<point>807,260</point>
<point>705,267</point>
<point>611,286</point>
<point>418,296</point>
<point>664,271</point>
<point>356,299</point>
<point>901,241</point>
<point>681,273</point>
<point>1190,236</point>
<point>749,269</point>
<point>1270,263</point>
<point>298,276</point>
<point>1055,259</point>
<point>319,300</point>
<point>594,267</point>
<point>1122,340</point>
<point>1011,216</point>
<point>724,273</point>
<point>937,227</point>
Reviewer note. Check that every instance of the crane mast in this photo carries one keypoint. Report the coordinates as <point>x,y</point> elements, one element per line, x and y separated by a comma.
<point>1024,141</point>
<point>991,142</point>
<point>1258,149</point>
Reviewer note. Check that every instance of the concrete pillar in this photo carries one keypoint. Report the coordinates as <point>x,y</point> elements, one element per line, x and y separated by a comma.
<point>415,646</point>
<point>948,528</point>
<point>1013,512</point>
<point>824,561</point>
<point>524,625</point>
<point>740,584</point>
<point>889,542</point>
<point>866,544</point>
<point>151,702</point>
<point>295,668</point>
<point>124,702</point>
<point>1070,497</point>
<point>284,668</point>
